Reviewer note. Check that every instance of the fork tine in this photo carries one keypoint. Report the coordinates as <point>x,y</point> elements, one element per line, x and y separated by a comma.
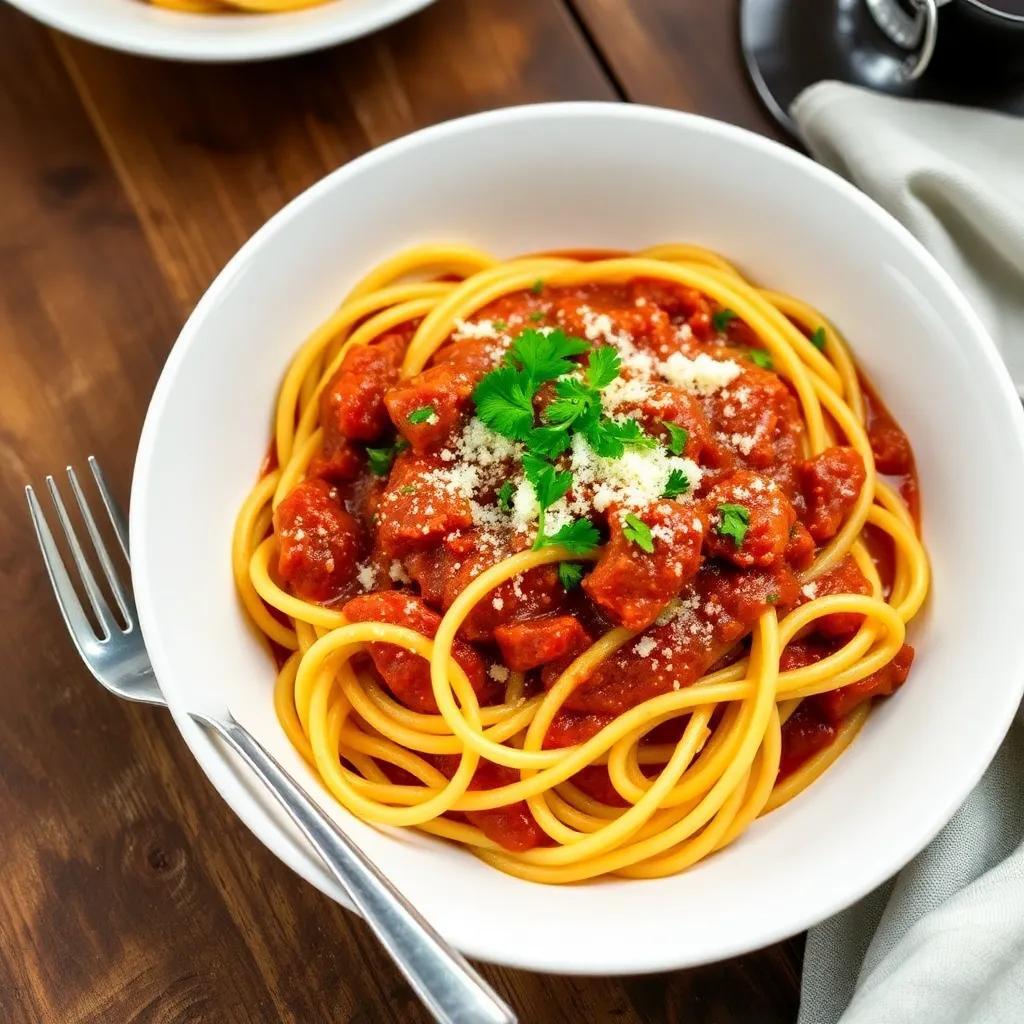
<point>92,590</point>
<point>70,607</point>
<point>111,505</point>
<point>124,600</point>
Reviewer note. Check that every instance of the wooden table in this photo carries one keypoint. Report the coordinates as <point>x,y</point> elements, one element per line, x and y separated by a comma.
<point>130,891</point>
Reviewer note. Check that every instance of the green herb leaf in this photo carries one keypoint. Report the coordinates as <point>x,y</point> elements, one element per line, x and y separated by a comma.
<point>677,437</point>
<point>407,489</point>
<point>499,325</point>
<point>504,401</point>
<point>818,338</point>
<point>548,483</point>
<point>380,459</point>
<point>762,358</point>
<point>570,574</point>
<point>573,399</point>
<point>579,537</point>
<point>536,316</point>
<point>610,438</point>
<point>638,532</point>
<point>772,598</point>
<point>722,318</point>
<point>548,442</point>
<point>422,414</point>
<point>545,356</point>
<point>677,484</point>
<point>734,521</point>
<point>505,493</point>
<point>538,286</point>
<point>602,367</point>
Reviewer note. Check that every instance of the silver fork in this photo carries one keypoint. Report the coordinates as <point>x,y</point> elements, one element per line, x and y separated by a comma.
<point>449,987</point>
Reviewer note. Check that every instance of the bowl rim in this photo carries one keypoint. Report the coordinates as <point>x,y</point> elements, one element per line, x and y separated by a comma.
<point>476,943</point>
<point>293,37</point>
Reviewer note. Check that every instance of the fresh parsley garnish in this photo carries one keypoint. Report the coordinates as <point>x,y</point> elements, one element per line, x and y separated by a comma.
<point>570,574</point>
<point>545,356</point>
<point>772,598</point>
<point>422,414</point>
<point>638,532</point>
<point>538,286</point>
<point>603,367</point>
<point>407,489</point>
<point>734,520</point>
<point>504,401</point>
<point>536,316</point>
<point>677,484</point>
<point>380,459</point>
<point>549,485</point>
<point>499,325</point>
<point>818,338</point>
<point>548,442</point>
<point>761,358</point>
<point>722,318</point>
<point>610,438</point>
<point>579,537</point>
<point>677,437</point>
<point>574,399</point>
<point>505,493</point>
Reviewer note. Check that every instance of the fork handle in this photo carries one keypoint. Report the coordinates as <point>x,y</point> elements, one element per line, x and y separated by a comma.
<point>447,985</point>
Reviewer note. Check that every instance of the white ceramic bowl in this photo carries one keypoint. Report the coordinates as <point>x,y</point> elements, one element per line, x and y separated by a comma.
<point>138,27</point>
<point>598,175</point>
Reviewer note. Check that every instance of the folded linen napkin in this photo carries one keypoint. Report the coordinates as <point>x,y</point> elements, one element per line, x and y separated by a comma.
<point>942,942</point>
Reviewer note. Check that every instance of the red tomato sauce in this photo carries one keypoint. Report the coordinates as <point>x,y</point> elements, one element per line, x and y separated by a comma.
<point>410,499</point>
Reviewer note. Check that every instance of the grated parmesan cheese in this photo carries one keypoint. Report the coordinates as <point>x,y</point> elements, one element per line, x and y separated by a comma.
<point>476,329</point>
<point>367,576</point>
<point>701,375</point>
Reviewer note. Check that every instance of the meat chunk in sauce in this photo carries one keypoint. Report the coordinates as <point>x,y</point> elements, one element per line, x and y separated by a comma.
<point>831,483</point>
<point>804,734</point>
<point>757,419</point>
<point>837,704</point>
<point>416,511</point>
<point>319,542</point>
<point>843,578</point>
<point>770,518</point>
<point>716,610</point>
<point>443,573</point>
<point>665,403</point>
<point>337,462</point>
<point>526,645</point>
<point>814,724</point>
<point>405,674</point>
<point>511,826</point>
<point>632,585</point>
<point>800,548</point>
<point>446,389</point>
<point>352,404</point>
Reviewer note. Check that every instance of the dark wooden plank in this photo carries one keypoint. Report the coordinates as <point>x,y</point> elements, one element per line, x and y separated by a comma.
<point>677,53</point>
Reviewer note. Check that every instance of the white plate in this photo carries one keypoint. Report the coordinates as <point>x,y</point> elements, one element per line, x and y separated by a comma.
<point>600,175</point>
<point>138,27</point>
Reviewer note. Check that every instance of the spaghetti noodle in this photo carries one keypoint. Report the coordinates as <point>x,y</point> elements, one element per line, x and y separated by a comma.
<point>626,578</point>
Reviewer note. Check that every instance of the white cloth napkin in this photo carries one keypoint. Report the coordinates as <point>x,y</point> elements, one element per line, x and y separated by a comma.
<point>942,942</point>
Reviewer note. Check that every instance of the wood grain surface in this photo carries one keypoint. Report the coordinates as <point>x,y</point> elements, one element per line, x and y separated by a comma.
<point>130,892</point>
